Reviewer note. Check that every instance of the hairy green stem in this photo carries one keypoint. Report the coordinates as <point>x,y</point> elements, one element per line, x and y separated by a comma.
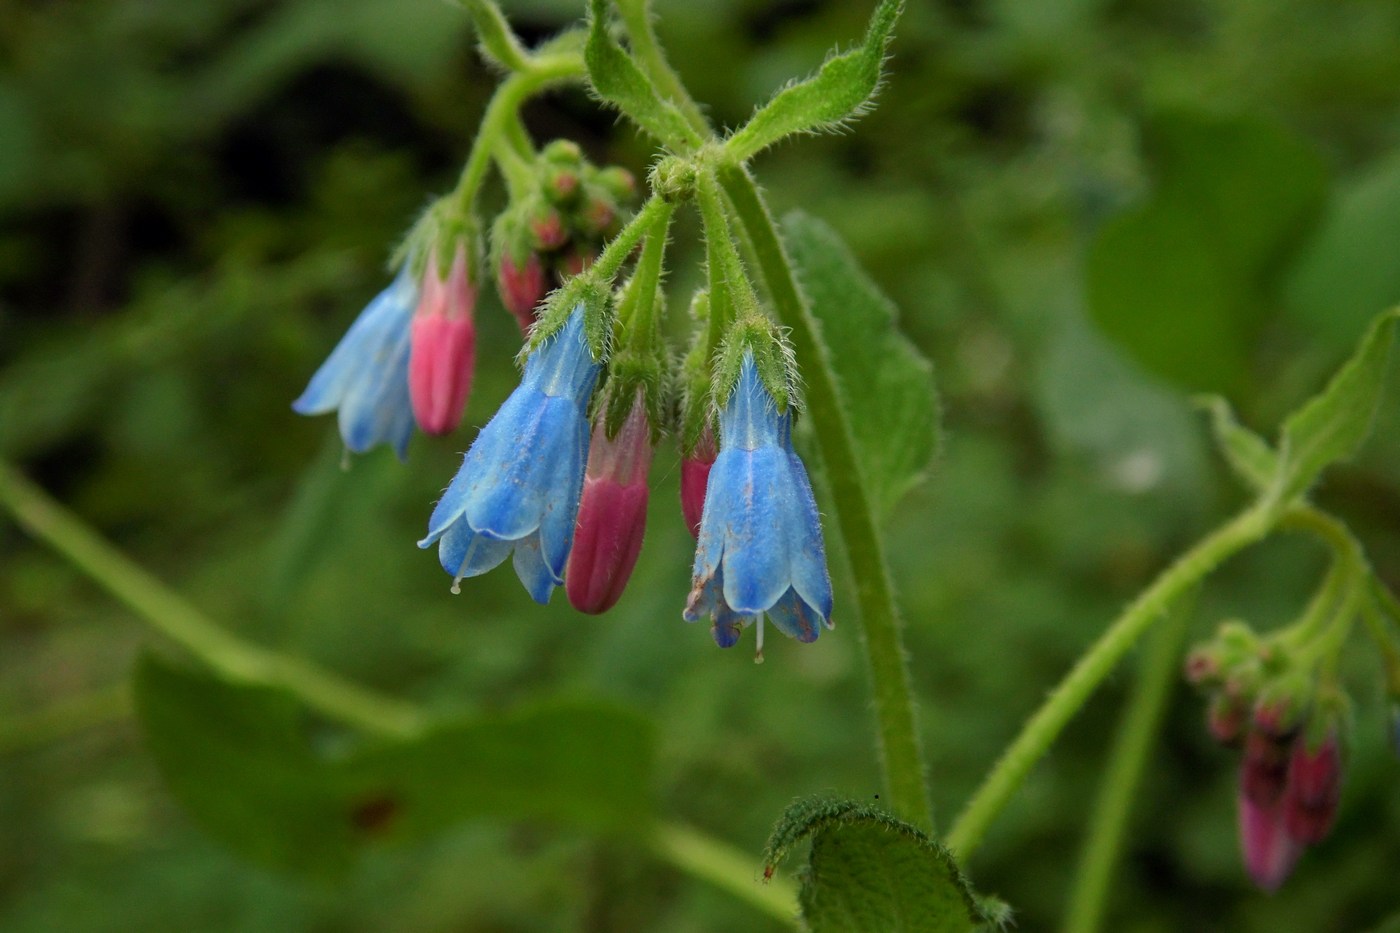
<point>899,746</point>
<point>185,625</point>
<point>541,72</point>
<point>726,868</point>
<point>1137,732</point>
<point>497,38</point>
<point>654,215</point>
<point>646,50</point>
<point>1073,692</point>
<point>637,320</point>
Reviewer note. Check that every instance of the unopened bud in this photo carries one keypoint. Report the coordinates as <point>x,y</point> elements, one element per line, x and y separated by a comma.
<point>561,185</point>
<point>1269,852</point>
<point>1225,719</point>
<point>1264,769</point>
<point>1202,667</point>
<point>563,152</point>
<point>612,513</point>
<point>599,217</point>
<point>443,345</point>
<point>576,260</point>
<point>1314,789</point>
<point>619,183</point>
<point>695,477</point>
<point>547,230</point>
<point>521,287</point>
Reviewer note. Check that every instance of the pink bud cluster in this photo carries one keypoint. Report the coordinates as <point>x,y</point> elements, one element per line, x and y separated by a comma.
<point>1290,774</point>
<point>557,230</point>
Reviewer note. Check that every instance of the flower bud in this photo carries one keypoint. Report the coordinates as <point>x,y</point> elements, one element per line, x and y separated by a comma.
<point>521,285</point>
<point>561,185</point>
<point>576,260</point>
<point>1202,667</point>
<point>1279,712</point>
<point>612,514</point>
<point>599,217</point>
<point>563,152</point>
<point>695,477</point>
<point>1269,853</point>
<point>1264,769</point>
<point>1314,789</point>
<point>443,345</point>
<point>618,182</point>
<point>1225,719</point>
<point>547,230</point>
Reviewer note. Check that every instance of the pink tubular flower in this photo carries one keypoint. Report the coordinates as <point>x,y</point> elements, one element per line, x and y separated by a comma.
<point>443,353</point>
<point>1269,852</point>
<point>612,515</point>
<point>1313,791</point>
<point>521,286</point>
<point>695,476</point>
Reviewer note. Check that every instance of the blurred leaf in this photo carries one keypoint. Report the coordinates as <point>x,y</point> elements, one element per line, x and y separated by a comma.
<point>237,758</point>
<point>241,760</point>
<point>618,81</point>
<point>1248,454</point>
<point>1182,281</point>
<point>840,91</point>
<point>887,386</point>
<point>869,871</point>
<point>1348,270</point>
<point>1335,422</point>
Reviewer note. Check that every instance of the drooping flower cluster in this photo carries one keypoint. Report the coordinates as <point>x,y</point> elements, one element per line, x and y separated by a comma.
<point>1290,733</point>
<point>557,480</point>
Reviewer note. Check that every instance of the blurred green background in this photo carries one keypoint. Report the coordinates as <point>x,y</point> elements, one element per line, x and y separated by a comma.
<point>1086,210</point>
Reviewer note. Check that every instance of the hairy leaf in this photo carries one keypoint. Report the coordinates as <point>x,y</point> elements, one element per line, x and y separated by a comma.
<point>870,871</point>
<point>618,81</point>
<point>1336,421</point>
<point>886,385</point>
<point>840,90</point>
<point>1248,454</point>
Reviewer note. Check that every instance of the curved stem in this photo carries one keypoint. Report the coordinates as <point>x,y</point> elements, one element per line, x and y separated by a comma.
<point>1073,692</point>
<point>881,625</point>
<point>1136,734</point>
<point>636,17</point>
<point>185,625</point>
<point>725,867</point>
<point>501,112</point>
<point>65,717</point>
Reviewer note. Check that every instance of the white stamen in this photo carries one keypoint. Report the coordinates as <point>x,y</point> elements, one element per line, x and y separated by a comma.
<point>758,652</point>
<point>345,459</point>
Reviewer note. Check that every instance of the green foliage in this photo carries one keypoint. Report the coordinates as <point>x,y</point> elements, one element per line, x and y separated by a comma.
<point>618,81</point>
<point>841,90</point>
<point>887,385</point>
<point>1248,454</point>
<point>1335,422</point>
<point>246,763</point>
<point>1347,271</point>
<point>1181,280</point>
<point>869,871</point>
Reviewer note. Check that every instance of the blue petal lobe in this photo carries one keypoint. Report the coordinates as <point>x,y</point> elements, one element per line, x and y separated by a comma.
<point>756,536</point>
<point>727,626</point>
<point>509,499</point>
<point>795,618</point>
<point>807,554</point>
<point>531,569</point>
<point>561,512</point>
<point>464,553</point>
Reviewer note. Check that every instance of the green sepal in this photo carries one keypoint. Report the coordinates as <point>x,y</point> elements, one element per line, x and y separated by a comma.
<point>1249,455</point>
<point>443,224</point>
<point>1333,424</point>
<point>632,378</point>
<point>869,870</point>
<point>697,408</point>
<point>560,304</point>
<point>840,91</point>
<point>618,81</point>
<point>771,354</point>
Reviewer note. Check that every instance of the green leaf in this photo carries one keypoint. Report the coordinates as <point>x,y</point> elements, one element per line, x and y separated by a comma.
<point>618,81</point>
<point>245,762</point>
<point>1347,272</point>
<point>1336,421</point>
<point>840,91</point>
<point>1183,280</point>
<point>1248,454</point>
<point>870,871</point>
<point>886,386</point>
